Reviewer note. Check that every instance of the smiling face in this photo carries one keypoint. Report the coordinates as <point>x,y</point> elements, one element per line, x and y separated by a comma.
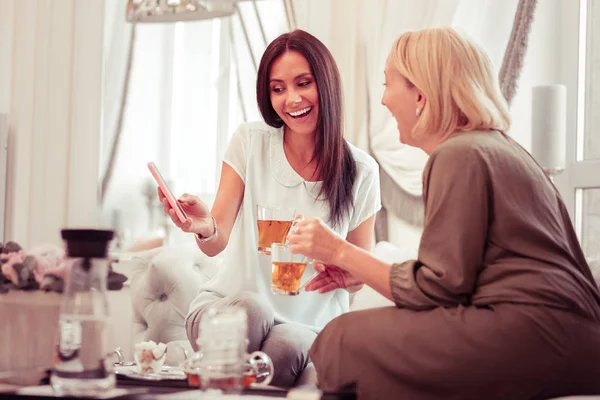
<point>403,100</point>
<point>293,92</point>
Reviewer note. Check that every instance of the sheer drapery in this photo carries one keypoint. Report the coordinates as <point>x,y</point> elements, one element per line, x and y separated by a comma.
<point>191,84</point>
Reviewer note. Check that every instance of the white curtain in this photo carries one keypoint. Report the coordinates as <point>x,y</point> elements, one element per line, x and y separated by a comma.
<point>191,85</point>
<point>53,62</point>
<point>146,126</point>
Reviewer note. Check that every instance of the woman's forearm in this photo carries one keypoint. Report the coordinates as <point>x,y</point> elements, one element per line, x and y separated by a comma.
<point>224,211</point>
<point>214,246</point>
<point>363,266</point>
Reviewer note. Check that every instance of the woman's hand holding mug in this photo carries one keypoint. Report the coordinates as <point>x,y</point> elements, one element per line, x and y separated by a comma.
<point>316,240</point>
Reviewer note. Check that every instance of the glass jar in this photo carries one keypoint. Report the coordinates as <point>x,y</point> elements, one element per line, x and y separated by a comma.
<point>82,363</point>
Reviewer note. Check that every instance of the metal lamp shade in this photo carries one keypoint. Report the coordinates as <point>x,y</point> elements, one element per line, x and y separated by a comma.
<point>142,11</point>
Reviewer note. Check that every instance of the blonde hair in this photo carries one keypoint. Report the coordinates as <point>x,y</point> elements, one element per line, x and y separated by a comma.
<point>457,79</point>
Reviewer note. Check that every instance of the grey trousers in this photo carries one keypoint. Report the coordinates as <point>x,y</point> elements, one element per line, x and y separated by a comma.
<point>286,344</point>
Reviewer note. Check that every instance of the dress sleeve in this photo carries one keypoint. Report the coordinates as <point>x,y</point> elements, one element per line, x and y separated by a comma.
<point>367,198</point>
<point>457,205</point>
<point>236,155</point>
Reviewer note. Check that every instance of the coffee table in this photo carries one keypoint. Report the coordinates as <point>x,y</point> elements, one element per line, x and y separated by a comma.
<point>134,389</point>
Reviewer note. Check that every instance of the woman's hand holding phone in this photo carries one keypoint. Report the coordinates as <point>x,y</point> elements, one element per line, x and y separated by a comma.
<point>198,215</point>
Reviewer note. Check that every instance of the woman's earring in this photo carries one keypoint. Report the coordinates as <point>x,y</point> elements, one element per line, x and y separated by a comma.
<point>418,113</point>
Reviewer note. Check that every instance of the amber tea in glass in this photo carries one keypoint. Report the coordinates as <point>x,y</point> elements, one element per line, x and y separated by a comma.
<point>287,270</point>
<point>273,226</point>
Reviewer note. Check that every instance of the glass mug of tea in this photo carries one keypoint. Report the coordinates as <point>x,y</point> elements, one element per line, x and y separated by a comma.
<point>274,224</point>
<point>287,270</point>
<point>222,361</point>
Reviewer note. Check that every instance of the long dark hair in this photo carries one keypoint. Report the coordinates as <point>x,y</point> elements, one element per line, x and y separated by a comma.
<point>333,155</point>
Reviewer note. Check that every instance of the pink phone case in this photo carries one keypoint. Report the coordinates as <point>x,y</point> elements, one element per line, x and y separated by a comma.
<point>167,192</point>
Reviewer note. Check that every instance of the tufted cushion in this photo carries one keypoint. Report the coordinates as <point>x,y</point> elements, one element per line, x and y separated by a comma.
<point>164,282</point>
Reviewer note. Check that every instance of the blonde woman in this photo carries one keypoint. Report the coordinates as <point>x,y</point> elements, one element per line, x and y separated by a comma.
<point>500,303</point>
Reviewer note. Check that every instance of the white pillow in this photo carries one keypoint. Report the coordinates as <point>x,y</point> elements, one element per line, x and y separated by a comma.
<point>163,284</point>
<point>387,252</point>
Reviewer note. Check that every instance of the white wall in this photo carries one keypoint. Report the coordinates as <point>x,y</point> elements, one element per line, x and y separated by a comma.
<point>3,162</point>
<point>54,57</point>
<point>6,30</point>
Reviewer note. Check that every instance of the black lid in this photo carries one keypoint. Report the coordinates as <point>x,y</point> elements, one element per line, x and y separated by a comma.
<point>86,242</point>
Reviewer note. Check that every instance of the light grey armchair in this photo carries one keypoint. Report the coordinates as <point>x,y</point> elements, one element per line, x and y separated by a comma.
<point>164,281</point>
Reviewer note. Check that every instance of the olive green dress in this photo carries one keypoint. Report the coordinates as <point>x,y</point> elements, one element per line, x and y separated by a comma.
<point>500,303</point>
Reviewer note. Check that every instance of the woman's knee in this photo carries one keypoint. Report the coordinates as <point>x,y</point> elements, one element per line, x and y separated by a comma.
<point>259,313</point>
<point>260,317</point>
<point>192,326</point>
<point>288,345</point>
<point>257,308</point>
<point>292,339</point>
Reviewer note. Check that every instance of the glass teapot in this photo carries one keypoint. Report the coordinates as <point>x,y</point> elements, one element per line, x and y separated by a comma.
<point>222,361</point>
<point>82,365</point>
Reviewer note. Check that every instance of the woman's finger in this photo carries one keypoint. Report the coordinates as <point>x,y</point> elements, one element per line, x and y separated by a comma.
<point>320,277</point>
<point>188,199</point>
<point>320,281</point>
<point>187,225</point>
<point>315,284</point>
<point>301,225</point>
<point>174,218</point>
<point>297,247</point>
<point>166,204</point>
<point>329,287</point>
<point>319,266</point>
<point>298,219</point>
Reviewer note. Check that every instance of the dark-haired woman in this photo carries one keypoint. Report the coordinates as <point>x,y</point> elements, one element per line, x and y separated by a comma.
<point>296,158</point>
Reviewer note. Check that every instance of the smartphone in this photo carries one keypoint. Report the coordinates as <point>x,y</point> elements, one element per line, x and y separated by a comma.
<point>167,192</point>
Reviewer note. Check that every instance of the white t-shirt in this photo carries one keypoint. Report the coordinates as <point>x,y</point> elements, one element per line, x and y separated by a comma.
<point>256,153</point>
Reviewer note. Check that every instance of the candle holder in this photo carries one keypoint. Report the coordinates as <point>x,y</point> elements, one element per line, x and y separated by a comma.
<point>549,127</point>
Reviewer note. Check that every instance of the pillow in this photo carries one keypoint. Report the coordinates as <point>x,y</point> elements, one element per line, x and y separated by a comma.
<point>367,297</point>
<point>164,282</point>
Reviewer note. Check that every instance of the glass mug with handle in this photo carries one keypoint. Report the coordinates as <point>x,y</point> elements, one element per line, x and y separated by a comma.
<point>222,361</point>
<point>273,225</point>
<point>287,270</point>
